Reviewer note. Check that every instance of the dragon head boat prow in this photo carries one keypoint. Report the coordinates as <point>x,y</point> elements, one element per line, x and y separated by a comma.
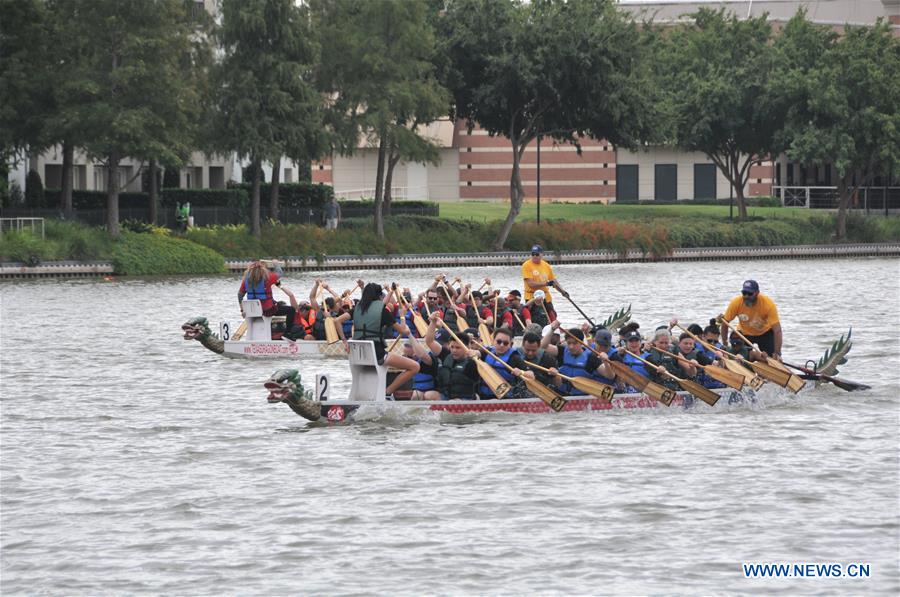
<point>197,328</point>
<point>285,386</point>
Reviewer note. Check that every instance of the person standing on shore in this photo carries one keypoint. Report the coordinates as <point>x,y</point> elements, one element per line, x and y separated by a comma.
<point>538,275</point>
<point>332,214</point>
<point>758,319</point>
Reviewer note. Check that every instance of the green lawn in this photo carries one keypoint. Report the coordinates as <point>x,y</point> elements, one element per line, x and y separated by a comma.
<point>484,211</point>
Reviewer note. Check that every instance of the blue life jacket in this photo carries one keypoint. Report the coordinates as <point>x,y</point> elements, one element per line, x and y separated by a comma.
<point>573,367</point>
<point>347,326</point>
<point>636,364</point>
<point>257,292</point>
<point>492,360</point>
<point>423,381</point>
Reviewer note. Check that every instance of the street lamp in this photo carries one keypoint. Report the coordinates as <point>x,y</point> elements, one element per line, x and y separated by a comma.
<point>539,179</point>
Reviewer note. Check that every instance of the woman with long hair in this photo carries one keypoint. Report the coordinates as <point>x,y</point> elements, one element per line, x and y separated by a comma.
<point>370,320</point>
<point>257,285</point>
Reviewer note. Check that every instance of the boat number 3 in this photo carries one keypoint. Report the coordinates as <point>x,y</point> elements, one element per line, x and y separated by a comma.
<point>225,331</point>
<point>322,387</point>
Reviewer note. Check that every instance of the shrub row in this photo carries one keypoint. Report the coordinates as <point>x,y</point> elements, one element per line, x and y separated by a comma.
<point>139,254</point>
<point>236,198</point>
<point>295,194</point>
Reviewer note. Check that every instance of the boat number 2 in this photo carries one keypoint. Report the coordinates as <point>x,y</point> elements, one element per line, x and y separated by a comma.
<point>225,331</point>
<point>322,387</point>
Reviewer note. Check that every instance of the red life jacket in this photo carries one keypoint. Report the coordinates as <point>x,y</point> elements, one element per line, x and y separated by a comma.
<point>306,324</point>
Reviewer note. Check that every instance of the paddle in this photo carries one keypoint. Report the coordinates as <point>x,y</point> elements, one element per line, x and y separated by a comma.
<point>331,332</point>
<point>488,374</point>
<point>483,332</point>
<point>496,302</point>
<point>569,298</point>
<point>550,397</point>
<point>844,384</point>
<point>240,331</point>
<point>421,326</point>
<point>633,378</point>
<point>730,362</point>
<point>588,386</point>
<point>729,378</point>
<point>461,322</point>
<point>775,363</point>
<point>704,394</point>
<point>519,319</point>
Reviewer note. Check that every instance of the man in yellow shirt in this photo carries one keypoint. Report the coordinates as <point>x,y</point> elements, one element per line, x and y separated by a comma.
<point>538,275</point>
<point>758,319</point>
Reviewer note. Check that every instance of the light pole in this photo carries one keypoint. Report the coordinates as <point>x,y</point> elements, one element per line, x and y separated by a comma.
<point>539,179</point>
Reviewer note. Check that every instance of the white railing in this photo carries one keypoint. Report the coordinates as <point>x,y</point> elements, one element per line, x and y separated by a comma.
<point>20,224</point>
<point>396,193</point>
<point>827,197</point>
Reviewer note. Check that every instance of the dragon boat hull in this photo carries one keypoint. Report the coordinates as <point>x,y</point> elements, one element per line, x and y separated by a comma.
<point>262,349</point>
<point>343,411</point>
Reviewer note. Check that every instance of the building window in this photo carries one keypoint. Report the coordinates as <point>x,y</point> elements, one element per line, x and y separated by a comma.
<point>468,166</point>
<point>759,181</point>
<point>665,187</point>
<point>321,166</point>
<point>605,182</point>
<point>468,183</point>
<point>626,182</point>
<point>605,165</point>
<point>790,174</point>
<point>288,175</point>
<point>469,149</point>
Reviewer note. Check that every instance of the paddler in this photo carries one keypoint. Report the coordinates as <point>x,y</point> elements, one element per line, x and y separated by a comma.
<point>757,319</point>
<point>573,360</point>
<point>257,285</point>
<point>537,274</point>
<point>370,320</point>
<point>542,312</point>
<point>503,350</point>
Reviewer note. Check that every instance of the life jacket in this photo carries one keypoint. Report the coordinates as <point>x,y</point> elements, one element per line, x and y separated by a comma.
<point>318,324</point>
<point>367,326</point>
<point>262,292</point>
<point>573,367</point>
<point>636,365</point>
<point>539,317</point>
<point>494,361</point>
<point>670,365</point>
<point>449,317</point>
<point>453,381</point>
<point>347,326</point>
<point>423,381</point>
<point>472,316</point>
<point>410,324</point>
<point>306,324</point>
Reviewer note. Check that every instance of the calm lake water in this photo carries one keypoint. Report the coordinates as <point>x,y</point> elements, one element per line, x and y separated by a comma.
<point>136,462</point>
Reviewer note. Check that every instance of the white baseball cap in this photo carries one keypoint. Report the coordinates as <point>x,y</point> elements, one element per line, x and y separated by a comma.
<point>539,294</point>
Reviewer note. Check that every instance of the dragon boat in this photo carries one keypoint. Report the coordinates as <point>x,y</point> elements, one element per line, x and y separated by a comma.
<point>370,379</point>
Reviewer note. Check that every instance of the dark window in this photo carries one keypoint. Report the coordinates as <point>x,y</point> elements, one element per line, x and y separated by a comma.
<point>468,183</point>
<point>790,174</point>
<point>468,149</point>
<point>665,186</point>
<point>828,175</point>
<point>704,181</point>
<point>777,174</point>
<point>626,182</point>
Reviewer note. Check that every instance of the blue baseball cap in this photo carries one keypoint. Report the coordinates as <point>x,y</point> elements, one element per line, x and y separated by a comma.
<point>537,249</point>
<point>750,286</point>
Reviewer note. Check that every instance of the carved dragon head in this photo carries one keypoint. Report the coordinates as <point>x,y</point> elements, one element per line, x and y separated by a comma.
<point>196,328</point>
<point>285,386</point>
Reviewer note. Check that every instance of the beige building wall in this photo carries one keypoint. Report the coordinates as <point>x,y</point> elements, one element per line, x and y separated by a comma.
<point>646,161</point>
<point>353,177</point>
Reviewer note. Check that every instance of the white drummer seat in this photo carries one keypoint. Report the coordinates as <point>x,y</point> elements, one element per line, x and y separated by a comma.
<point>369,378</point>
<point>259,327</point>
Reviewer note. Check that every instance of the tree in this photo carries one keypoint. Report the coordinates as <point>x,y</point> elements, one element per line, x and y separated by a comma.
<point>715,72</point>
<point>841,95</point>
<point>377,69</point>
<point>128,90</point>
<point>547,68</point>
<point>265,105</point>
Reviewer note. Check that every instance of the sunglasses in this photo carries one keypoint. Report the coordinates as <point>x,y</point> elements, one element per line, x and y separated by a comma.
<point>747,292</point>
<point>535,254</point>
<point>499,342</point>
<point>432,298</point>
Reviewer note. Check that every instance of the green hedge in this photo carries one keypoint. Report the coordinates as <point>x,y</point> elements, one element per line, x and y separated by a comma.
<point>157,254</point>
<point>294,194</point>
<point>168,198</point>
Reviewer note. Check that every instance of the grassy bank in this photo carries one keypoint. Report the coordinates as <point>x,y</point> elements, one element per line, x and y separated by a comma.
<point>655,230</point>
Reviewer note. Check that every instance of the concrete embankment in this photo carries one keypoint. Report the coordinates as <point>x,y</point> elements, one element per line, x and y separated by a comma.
<point>511,258</point>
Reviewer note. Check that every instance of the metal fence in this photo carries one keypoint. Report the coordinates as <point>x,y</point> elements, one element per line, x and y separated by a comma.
<point>210,216</point>
<point>867,198</point>
<point>20,224</point>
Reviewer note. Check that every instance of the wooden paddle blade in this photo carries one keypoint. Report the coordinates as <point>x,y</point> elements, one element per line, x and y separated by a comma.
<point>594,388</point>
<point>795,384</point>
<point>461,323</point>
<point>725,376</point>
<point>704,394</point>
<point>550,398</point>
<point>421,326</point>
<point>629,376</point>
<point>240,331</point>
<point>747,374</point>
<point>661,393</point>
<point>331,333</point>
<point>772,374</point>
<point>485,334</point>
<point>777,364</point>
<point>492,379</point>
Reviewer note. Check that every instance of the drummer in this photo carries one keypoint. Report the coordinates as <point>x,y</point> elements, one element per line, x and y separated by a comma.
<point>537,274</point>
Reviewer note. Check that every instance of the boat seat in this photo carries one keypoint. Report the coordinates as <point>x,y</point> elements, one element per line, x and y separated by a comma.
<point>259,327</point>
<point>369,378</point>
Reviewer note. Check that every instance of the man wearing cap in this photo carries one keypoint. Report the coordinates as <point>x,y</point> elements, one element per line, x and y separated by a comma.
<point>520,316</point>
<point>758,319</point>
<point>538,275</point>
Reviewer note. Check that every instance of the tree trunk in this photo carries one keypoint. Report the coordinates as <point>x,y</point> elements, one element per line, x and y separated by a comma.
<point>379,186</point>
<point>153,188</point>
<point>393,160</point>
<point>516,196</point>
<point>737,182</point>
<point>273,197</point>
<point>112,195</point>
<point>843,201</point>
<point>65,197</point>
<point>255,228</point>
